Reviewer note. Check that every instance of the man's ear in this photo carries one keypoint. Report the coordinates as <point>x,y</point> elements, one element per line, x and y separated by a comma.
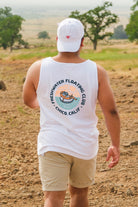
<point>56,38</point>
<point>82,41</point>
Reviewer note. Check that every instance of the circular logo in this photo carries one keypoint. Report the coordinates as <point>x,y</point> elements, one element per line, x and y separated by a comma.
<point>67,96</point>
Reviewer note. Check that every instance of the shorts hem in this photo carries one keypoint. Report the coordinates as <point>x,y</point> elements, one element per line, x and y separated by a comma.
<point>82,186</point>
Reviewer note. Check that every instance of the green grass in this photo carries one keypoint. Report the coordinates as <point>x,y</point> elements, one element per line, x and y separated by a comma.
<point>103,55</point>
<point>111,57</point>
<point>109,54</point>
<point>34,55</point>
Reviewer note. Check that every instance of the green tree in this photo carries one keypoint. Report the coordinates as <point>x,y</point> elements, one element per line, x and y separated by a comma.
<point>135,5</point>
<point>96,21</point>
<point>43,35</point>
<point>132,27</point>
<point>10,26</point>
<point>119,33</point>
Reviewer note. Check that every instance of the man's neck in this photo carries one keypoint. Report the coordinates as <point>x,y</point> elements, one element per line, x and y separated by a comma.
<point>68,57</point>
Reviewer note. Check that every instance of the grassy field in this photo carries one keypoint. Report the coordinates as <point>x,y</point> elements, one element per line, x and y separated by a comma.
<point>114,55</point>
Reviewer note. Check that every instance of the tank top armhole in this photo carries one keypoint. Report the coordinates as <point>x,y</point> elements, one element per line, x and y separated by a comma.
<point>38,87</point>
<point>97,80</point>
<point>40,76</point>
<point>96,77</point>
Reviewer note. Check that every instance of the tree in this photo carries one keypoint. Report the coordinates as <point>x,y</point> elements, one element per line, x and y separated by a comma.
<point>10,26</point>
<point>135,5</point>
<point>96,21</point>
<point>132,27</point>
<point>43,35</point>
<point>119,33</point>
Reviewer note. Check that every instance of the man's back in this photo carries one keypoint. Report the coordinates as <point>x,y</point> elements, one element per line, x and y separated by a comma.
<point>67,95</point>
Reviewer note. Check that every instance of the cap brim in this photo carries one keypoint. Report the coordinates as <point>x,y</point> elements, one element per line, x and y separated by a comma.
<point>68,46</point>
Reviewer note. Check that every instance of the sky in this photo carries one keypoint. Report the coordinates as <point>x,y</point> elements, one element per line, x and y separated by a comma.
<point>85,3</point>
<point>41,9</point>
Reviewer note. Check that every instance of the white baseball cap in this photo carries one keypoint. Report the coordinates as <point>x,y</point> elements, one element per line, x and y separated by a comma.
<point>69,35</point>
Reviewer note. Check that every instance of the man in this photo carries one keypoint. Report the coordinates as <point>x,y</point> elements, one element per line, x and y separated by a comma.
<point>66,87</point>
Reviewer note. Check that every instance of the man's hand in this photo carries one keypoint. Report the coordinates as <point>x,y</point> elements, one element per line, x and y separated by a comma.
<point>113,152</point>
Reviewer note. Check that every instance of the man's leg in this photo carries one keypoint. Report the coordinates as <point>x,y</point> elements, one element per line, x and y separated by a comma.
<point>54,198</point>
<point>54,170</point>
<point>82,176</point>
<point>79,197</point>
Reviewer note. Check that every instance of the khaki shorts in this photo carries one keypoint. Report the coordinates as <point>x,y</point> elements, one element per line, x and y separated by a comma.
<point>57,170</point>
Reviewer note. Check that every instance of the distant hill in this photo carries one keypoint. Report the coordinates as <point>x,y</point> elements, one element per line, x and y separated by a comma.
<point>42,18</point>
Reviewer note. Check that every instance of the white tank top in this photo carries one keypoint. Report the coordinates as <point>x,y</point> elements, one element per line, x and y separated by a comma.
<point>67,95</point>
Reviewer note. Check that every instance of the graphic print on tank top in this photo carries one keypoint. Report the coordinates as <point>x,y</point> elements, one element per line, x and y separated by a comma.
<point>68,97</point>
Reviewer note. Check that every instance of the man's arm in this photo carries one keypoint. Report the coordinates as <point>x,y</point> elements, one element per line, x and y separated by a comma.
<point>107,103</point>
<point>30,85</point>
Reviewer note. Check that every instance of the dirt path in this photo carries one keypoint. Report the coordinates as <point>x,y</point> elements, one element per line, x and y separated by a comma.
<point>19,179</point>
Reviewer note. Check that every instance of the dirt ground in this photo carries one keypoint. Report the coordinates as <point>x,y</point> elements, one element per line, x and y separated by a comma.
<point>19,178</point>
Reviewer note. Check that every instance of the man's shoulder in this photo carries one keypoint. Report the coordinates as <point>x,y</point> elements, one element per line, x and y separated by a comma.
<point>37,64</point>
<point>102,73</point>
<point>100,68</point>
<point>34,69</point>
